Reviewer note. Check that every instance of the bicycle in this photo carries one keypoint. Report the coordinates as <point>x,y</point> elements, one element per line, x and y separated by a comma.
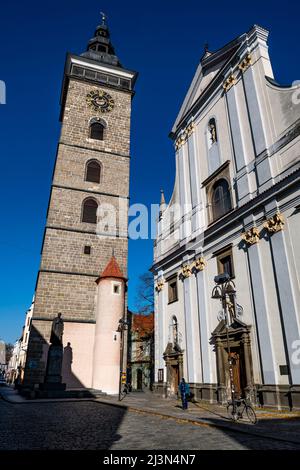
<point>125,389</point>
<point>236,409</point>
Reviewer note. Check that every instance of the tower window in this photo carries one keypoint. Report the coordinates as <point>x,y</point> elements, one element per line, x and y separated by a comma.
<point>116,288</point>
<point>102,48</point>
<point>87,250</point>
<point>97,131</point>
<point>93,172</point>
<point>89,212</point>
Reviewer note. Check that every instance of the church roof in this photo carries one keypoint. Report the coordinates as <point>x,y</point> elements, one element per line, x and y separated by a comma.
<point>112,269</point>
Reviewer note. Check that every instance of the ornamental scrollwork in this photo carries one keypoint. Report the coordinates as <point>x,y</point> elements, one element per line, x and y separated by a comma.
<point>275,223</point>
<point>251,236</point>
<point>246,62</point>
<point>160,284</point>
<point>184,136</point>
<point>229,82</point>
<point>199,263</point>
<point>186,270</point>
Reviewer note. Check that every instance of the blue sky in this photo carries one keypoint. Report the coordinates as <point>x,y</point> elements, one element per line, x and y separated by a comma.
<point>163,40</point>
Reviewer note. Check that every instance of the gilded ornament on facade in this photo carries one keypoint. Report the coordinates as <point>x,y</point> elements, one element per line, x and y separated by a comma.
<point>199,263</point>
<point>159,285</point>
<point>251,236</point>
<point>229,82</point>
<point>275,223</point>
<point>184,136</point>
<point>186,270</point>
<point>246,62</point>
<point>99,100</point>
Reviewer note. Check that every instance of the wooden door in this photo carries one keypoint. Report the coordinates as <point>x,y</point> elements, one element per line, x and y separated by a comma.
<point>236,373</point>
<point>174,379</point>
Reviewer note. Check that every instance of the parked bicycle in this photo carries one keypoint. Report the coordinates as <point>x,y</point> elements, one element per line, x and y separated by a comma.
<point>237,408</point>
<point>125,389</point>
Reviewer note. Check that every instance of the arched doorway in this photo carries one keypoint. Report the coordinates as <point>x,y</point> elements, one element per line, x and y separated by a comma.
<point>173,357</point>
<point>241,360</point>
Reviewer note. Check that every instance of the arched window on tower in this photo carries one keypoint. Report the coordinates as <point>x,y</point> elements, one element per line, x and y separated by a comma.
<point>97,130</point>
<point>221,199</point>
<point>93,171</point>
<point>89,211</point>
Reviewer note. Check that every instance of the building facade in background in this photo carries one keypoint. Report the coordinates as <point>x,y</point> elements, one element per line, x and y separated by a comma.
<point>235,209</point>
<point>91,175</point>
<point>140,364</point>
<point>16,365</point>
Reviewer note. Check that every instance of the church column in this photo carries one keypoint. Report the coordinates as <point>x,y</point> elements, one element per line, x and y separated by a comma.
<point>258,128</point>
<point>161,339</point>
<point>191,328</point>
<point>222,396</point>
<point>261,313</point>
<point>286,294</point>
<point>197,214</point>
<point>184,190</point>
<point>204,328</point>
<point>248,370</point>
<point>242,177</point>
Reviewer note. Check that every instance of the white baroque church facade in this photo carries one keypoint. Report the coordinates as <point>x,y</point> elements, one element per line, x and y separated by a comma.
<point>235,209</point>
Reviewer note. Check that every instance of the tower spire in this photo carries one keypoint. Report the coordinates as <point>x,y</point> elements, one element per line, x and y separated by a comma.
<point>100,47</point>
<point>162,205</point>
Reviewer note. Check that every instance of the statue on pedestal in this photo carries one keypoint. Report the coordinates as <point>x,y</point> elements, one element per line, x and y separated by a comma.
<point>53,378</point>
<point>57,330</point>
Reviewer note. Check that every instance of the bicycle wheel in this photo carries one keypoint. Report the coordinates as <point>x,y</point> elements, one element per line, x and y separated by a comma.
<point>251,414</point>
<point>232,414</point>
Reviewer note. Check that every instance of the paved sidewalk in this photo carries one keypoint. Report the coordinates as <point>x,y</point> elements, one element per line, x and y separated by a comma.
<point>273,424</point>
<point>277,425</point>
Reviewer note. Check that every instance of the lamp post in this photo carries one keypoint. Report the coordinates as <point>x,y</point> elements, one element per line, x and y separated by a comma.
<point>121,328</point>
<point>224,288</point>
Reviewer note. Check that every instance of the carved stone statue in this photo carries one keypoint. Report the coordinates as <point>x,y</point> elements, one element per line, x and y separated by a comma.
<point>53,379</point>
<point>57,330</point>
<point>213,131</point>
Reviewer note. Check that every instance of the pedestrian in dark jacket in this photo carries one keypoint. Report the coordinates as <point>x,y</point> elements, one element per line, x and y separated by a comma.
<point>184,393</point>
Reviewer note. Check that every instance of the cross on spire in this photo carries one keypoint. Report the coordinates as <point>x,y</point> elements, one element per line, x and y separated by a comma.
<point>104,17</point>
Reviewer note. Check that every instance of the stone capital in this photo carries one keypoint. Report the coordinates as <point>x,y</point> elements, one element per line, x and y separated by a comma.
<point>251,236</point>
<point>275,223</point>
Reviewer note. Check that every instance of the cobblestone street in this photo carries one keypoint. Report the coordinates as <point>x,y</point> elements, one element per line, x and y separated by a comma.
<point>92,425</point>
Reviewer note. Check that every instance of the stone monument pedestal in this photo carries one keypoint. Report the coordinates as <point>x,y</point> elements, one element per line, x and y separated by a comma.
<point>53,378</point>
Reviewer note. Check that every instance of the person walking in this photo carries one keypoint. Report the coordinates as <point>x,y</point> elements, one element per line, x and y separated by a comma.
<point>184,393</point>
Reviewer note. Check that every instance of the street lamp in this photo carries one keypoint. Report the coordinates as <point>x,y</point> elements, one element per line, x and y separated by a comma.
<point>121,328</point>
<point>224,288</point>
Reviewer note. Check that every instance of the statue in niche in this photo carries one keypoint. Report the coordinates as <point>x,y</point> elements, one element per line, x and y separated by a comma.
<point>213,131</point>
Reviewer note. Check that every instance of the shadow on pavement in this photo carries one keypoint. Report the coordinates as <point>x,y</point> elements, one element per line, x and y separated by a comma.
<point>271,433</point>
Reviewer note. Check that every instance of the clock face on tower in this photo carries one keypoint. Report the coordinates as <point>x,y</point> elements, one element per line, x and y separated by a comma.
<point>100,101</point>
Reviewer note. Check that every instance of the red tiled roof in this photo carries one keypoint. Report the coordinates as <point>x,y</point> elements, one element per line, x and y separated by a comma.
<point>112,270</point>
<point>143,323</point>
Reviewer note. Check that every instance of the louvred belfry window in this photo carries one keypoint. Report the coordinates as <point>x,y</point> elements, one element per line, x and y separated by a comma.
<point>93,172</point>
<point>89,212</point>
<point>97,131</point>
